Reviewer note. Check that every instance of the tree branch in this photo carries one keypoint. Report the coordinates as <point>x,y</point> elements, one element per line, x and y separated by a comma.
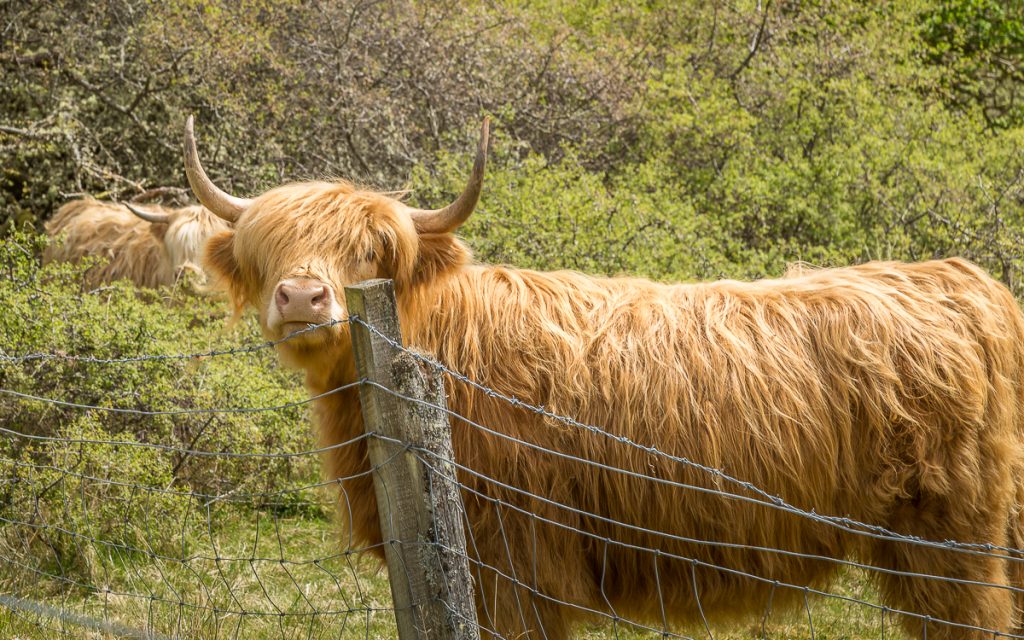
<point>755,44</point>
<point>26,133</point>
<point>99,93</point>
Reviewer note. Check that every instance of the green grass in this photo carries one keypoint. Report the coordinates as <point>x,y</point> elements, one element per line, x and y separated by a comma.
<point>313,596</point>
<point>318,592</point>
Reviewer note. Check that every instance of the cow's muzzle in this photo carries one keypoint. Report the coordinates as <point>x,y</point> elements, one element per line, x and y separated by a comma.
<point>300,302</point>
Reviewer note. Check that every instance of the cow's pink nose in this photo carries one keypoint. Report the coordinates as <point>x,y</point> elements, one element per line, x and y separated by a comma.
<point>303,300</point>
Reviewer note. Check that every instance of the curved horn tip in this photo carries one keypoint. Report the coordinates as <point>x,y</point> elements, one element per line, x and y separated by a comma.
<point>190,134</point>
<point>189,140</point>
<point>451,217</point>
<point>223,205</point>
<point>153,218</point>
<point>485,132</point>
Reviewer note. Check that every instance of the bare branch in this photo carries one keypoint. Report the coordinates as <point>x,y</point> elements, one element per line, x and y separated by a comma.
<point>26,133</point>
<point>101,95</point>
<point>176,194</point>
<point>755,44</point>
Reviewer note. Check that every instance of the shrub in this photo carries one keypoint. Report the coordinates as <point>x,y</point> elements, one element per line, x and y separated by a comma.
<point>112,490</point>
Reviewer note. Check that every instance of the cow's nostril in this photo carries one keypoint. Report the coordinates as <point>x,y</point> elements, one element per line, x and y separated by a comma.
<point>282,297</point>
<point>321,297</point>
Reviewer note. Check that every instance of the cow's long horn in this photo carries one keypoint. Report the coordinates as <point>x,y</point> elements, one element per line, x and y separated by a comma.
<point>148,216</point>
<point>450,217</point>
<point>222,204</point>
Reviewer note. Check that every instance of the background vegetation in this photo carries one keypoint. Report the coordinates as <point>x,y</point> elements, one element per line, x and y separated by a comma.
<point>677,140</point>
<point>674,139</point>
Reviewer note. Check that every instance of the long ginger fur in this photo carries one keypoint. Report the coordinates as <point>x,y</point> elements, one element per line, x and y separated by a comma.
<point>148,254</point>
<point>889,393</point>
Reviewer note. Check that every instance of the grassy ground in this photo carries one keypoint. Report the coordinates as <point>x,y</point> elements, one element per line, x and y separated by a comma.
<point>824,619</point>
<point>248,593</point>
<point>317,593</point>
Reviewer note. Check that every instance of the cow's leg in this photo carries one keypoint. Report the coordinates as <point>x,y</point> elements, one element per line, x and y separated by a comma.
<point>943,601</point>
<point>508,611</point>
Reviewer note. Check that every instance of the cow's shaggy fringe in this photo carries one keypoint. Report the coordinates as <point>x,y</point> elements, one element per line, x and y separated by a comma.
<point>890,393</point>
<point>148,254</point>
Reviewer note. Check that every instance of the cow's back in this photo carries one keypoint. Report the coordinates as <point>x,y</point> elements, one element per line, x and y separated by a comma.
<point>124,244</point>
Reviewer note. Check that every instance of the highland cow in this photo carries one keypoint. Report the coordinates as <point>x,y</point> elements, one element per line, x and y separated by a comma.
<point>151,246</point>
<point>888,393</point>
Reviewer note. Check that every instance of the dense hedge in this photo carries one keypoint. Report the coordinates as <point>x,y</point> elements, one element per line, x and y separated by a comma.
<point>49,314</point>
<point>678,140</point>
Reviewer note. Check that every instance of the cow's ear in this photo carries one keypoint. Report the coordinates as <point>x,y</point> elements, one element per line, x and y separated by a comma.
<point>395,253</point>
<point>158,229</point>
<point>220,257</point>
<point>438,253</point>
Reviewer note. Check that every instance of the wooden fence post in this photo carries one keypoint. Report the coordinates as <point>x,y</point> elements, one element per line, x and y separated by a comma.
<point>421,513</point>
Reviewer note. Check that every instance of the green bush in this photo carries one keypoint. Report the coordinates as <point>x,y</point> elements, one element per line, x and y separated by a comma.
<point>807,132</point>
<point>676,140</point>
<point>70,500</point>
<point>979,45</point>
<point>107,491</point>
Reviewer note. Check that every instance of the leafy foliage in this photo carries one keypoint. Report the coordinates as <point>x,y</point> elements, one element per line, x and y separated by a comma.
<point>360,89</point>
<point>676,140</point>
<point>979,44</point>
<point>50,313</point>
<point>795,132</point>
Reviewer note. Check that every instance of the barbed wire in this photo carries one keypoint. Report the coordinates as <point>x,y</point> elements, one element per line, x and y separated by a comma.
<point>243,498</point>
<point>178,412</point>
<point>769,500</point>
<point>424,454</point>
<point>948,545</point>
<point>173,356</point>
<point>670,536</point>
<point>874,531</point>
<point>697,562</point>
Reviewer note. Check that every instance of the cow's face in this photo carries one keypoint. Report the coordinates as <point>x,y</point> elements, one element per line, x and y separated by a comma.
<point>186,233</point>
<point>294,249</point>
<point>183,231</point>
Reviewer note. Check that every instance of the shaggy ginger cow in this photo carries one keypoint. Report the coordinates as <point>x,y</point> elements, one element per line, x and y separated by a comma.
<point>150,248</point>
<point>889,393</point>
